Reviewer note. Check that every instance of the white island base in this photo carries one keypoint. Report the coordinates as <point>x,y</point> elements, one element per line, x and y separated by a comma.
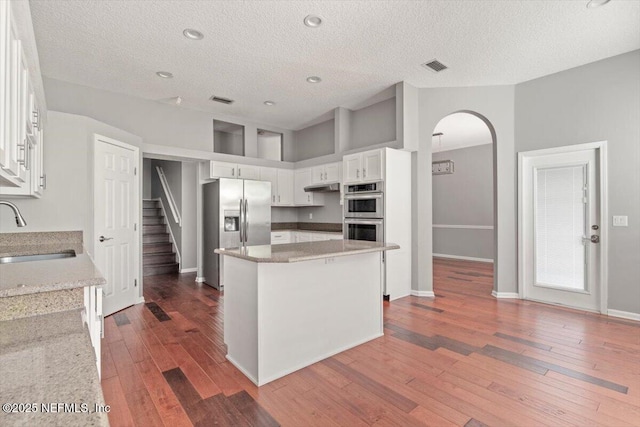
<point>280,317</point>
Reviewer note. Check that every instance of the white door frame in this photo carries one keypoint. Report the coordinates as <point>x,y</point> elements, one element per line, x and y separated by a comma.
<point>137,184</point>
<point>601,147</point>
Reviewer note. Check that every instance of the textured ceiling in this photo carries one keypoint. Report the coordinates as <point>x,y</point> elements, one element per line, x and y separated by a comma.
<point>260,50</point>
<point>460,130</point>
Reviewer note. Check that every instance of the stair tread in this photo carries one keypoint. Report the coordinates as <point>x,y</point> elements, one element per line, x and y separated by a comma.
<point>155,234</point>
<point>162,264</point>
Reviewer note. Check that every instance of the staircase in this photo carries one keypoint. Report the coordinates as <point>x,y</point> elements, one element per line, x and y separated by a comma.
<point>157,250</point>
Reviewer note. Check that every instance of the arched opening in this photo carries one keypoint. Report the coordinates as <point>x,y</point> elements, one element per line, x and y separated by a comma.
<point>464,204</point>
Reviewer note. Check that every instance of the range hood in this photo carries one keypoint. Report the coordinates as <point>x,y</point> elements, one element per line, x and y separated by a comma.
<point>323,188</point>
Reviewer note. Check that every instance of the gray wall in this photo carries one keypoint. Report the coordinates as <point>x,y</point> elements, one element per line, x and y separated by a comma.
<point>67,203</point>
<point>464,198</point>
<point>189,221</point>
<point>314,141</point>
<point>146,178</point>
<point>228,143</point>
<point>372,125</point>
<point>155,122</point>
<point>173,173</point>
<point>280,214</point>
<point>596,102</point>
<point>330,212</point>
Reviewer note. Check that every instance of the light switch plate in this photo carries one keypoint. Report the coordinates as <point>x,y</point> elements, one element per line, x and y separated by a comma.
<point>620,221</point>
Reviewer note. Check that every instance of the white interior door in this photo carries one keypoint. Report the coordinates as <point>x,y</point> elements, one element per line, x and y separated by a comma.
<point>115,217</point>
<point>561,228</point>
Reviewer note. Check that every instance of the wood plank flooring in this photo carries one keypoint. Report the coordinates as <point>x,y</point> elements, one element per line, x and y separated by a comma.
<point>461,359</point>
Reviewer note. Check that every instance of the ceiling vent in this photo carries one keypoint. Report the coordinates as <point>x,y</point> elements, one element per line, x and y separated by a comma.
<point>435,66</point>
<point>221,100</point>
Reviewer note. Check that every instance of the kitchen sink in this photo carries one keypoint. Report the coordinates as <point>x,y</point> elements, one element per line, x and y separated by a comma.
<point>38,257</point>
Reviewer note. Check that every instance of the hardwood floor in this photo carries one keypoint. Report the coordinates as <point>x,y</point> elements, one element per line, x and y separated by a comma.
<point>462,359</point>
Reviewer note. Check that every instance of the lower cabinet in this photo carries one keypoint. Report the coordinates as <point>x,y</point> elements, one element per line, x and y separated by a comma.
<point>281,237</point>
<point>93,318</point>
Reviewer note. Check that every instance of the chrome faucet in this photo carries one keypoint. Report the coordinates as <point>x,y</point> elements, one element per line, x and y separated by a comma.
<point>20,222</point>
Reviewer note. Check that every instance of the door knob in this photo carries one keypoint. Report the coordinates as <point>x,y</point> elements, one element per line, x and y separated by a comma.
<point>593,239</point>
<point>102,238</point>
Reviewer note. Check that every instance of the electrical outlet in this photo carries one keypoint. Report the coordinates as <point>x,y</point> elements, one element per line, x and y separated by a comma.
<point>620,221</point>
<point>310,216</point>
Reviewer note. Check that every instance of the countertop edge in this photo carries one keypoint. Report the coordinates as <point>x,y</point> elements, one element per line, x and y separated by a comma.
<point>49,287</point>
<point>314,257</point>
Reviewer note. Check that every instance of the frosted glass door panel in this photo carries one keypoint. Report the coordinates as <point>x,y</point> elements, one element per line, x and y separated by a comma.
<point>560,224</point>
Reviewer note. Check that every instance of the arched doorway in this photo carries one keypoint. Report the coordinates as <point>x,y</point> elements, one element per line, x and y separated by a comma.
<point>463,203</point>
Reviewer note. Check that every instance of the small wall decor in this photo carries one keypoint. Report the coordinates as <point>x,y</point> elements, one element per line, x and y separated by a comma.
<point>442,167</point>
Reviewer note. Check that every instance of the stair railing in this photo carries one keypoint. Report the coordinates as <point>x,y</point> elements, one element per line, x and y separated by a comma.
<point>167,192</point>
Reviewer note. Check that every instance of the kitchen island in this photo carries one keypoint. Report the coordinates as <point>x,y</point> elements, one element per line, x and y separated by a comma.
<point>291,305</point>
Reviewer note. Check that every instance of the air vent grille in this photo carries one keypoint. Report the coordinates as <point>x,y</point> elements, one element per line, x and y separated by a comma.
<point>221,100</point>
<point>435,66</point>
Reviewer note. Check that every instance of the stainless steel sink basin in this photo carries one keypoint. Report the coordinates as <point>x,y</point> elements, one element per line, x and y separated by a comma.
<point>39,257</point>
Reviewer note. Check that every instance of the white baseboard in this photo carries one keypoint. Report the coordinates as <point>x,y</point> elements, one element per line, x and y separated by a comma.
<point>505,295</point>
<point>200,279</point>
<point>140,300</point>
<point>624,314</point>
<point>466,258</point>
<point>188,270</point>
<point>425,294</point>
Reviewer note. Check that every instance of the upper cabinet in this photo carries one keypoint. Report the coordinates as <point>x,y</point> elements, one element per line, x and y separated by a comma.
<point>302,178</point>
<point>326,174</point>
<point>21,134</point>
<point>281,185</point>
<point>232,170</point>
<point>364,167</point>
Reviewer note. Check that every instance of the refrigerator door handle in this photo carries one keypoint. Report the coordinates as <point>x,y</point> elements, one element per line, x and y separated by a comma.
<point>241,222</point>
<point>246,223</point>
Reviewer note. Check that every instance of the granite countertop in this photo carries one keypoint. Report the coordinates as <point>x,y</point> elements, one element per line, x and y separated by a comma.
<point>307,251</point>
<point>48,242</point>
<point>52,275</point>
<point>49,359</point>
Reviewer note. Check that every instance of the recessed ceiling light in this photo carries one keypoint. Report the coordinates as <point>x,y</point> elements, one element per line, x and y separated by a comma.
<point>269,103</point>
<point>193,34</point>
<point>596,3</point>
<point>314,79</point>
<point>165,74</point>
<point>312,21</point>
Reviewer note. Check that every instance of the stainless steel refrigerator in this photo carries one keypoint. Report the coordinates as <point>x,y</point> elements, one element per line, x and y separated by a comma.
<point>236,213</point>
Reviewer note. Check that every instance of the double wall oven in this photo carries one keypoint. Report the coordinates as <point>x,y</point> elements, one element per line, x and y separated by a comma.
<point>364,212</point>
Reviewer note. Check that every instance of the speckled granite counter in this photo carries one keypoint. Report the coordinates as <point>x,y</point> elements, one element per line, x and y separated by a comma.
<point>12,244</point>
<point>49,360</point>
<point>44,276</point>
<point>307,251</point>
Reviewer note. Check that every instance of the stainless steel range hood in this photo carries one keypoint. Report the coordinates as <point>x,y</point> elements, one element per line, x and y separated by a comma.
<point>323,188</point>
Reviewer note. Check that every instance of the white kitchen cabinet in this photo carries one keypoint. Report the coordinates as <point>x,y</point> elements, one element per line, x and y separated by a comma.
<point>281,237</point>
<point>302,178</point>
<point>319,237</point>
<point>302,236</point>
<point>271,175</point>
<point>92,315</point>
<point>326,174</point>
<point>5,87</point>
<point>21,153</point>
<point>281,185</point>
<point>285,187</point>
<point>233,170</point>
<point>364,167</point>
